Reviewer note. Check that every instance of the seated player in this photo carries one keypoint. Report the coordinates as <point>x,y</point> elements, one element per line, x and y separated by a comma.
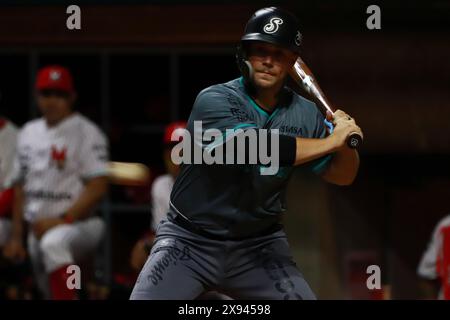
<point>59,177</point>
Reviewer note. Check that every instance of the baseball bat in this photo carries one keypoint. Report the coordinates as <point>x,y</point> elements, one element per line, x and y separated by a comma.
<point>304,77</point>
<point>128,173</point>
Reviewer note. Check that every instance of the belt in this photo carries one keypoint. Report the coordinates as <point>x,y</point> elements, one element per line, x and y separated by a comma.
<point>192,227</point>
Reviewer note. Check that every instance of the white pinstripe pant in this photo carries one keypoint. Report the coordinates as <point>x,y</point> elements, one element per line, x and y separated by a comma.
<point>63,245</point>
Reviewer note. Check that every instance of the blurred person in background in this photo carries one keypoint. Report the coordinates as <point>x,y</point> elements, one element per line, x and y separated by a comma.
<point>8,137</point>
<point>434,267</point>
<point>9,272</point>
<point>160,195</point>
<point>59,177</point>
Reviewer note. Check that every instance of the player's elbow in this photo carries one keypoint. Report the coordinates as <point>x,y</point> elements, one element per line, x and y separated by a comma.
<point>341,175</point>
<point>348,179</point>
<point>341,181</point>
<point>339,178</point>
<point>345,181</point>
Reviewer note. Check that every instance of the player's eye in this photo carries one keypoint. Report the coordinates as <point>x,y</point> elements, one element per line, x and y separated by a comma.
<point>45,93</point>
<point>56,93</point>
<point>257,51</point>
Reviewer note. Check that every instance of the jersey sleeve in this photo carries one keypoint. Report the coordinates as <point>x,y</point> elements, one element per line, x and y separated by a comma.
<point>18,164</point>
<point>9,157</point>
<point>321,130</point>
<point>94,155</point>
<point>221,111</point>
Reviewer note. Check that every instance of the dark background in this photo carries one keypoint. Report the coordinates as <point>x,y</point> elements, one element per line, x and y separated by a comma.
<point>139,66</point>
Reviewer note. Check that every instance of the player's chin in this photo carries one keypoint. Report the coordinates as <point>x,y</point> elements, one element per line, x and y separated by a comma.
<point>265,81</point>
<point>50,116</point>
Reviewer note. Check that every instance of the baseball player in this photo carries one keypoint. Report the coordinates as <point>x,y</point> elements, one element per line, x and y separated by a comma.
<point>59,177</point>
<point>8,136</point>
<point>435,263</point>
<point>223,231</point>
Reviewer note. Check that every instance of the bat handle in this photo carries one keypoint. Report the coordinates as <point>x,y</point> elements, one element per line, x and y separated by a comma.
<point>354,140</point>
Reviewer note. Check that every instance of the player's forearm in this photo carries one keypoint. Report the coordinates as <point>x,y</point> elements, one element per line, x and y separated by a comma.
<point>311,149</point>
<point>291,150</point>
<point>17,213</point>
<point>92,194</point>
<point>343,168</point>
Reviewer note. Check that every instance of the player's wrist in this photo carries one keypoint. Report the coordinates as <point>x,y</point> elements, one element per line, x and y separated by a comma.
<point>68,218</point>
<point>333,143</point>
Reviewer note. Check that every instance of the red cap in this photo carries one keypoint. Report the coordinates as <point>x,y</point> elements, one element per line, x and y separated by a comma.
<point>56,78</point>
<point>172,128</point>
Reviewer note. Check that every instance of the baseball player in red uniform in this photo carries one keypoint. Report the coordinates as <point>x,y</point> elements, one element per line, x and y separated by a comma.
<point>435,262</point>
<point>59,176</point>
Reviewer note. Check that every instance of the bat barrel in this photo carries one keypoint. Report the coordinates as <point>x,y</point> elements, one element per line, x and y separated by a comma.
<point>303,76</point>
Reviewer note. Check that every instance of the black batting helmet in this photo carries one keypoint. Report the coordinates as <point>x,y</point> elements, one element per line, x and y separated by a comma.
<point>273,25</point>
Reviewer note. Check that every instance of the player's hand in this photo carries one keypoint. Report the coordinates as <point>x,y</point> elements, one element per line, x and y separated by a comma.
<point>139,254</point>
<point>344,126</point>
<point>338,116</point>
<point>14,250</point>
<point>43,225</point>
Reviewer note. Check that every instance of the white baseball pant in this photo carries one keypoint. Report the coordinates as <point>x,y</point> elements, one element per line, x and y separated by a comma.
<point>63,245</point>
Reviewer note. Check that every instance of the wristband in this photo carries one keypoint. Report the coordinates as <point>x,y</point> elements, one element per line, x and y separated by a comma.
<point>69,219</point>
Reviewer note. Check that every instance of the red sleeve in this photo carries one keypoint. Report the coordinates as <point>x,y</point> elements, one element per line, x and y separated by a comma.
<point>443,262</point>
<point>6,200</point>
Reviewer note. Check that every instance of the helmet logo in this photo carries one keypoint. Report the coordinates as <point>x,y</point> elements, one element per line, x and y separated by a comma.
<point>55,75</point>
<point>273,25</point>
<point>298,38</point>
